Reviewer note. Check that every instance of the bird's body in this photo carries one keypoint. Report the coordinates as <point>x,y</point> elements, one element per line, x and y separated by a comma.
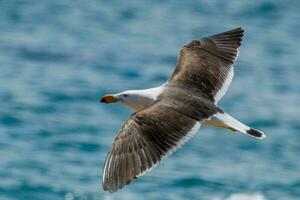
<point>166,116</point>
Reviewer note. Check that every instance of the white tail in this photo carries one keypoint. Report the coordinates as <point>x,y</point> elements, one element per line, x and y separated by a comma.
<point>230,121</point>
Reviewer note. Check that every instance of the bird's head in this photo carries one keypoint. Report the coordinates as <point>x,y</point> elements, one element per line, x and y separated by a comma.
<point>123,97</point>
<point>130,98</point>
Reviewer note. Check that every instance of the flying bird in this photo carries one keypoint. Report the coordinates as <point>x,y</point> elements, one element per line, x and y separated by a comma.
<point>167,116</point>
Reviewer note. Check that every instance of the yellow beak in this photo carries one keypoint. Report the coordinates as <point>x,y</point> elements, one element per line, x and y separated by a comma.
<point>109,98</point>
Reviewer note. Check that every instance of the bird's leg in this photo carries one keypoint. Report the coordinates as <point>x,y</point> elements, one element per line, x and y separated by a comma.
<point>218,124</point>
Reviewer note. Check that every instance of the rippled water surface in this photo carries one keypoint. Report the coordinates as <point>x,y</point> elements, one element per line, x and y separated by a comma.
<point>58,57</point>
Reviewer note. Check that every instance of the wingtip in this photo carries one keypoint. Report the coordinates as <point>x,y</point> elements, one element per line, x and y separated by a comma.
<point>240,28</point>
<point>109,188</point>
<point>236,33</point>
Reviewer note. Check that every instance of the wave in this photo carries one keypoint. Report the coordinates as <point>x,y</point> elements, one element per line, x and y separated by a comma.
<point>243,196</point>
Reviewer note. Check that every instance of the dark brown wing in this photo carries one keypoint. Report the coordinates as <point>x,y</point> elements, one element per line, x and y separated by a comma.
<point>206,64</point>
<point>146,137</point>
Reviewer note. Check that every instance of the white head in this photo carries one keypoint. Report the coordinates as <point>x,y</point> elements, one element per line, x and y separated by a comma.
<point>134,99</point>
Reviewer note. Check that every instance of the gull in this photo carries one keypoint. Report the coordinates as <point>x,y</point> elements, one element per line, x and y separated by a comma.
<point>167,116</point>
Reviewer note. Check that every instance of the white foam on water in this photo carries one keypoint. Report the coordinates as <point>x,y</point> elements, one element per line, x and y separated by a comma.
<point>243,196</point>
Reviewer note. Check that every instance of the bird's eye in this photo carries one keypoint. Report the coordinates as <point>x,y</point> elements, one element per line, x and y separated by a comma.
<point>125,95</point>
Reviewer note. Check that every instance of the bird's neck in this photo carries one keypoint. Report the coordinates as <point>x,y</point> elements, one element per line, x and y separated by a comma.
<point>151,93</point>
<point>146,97</point>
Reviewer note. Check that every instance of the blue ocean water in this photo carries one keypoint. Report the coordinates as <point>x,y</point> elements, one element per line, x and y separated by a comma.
<point>57,58</point>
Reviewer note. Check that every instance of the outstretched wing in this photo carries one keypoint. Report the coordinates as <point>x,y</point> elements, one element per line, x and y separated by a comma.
<point>146,137</point>
<point>206,64</point>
